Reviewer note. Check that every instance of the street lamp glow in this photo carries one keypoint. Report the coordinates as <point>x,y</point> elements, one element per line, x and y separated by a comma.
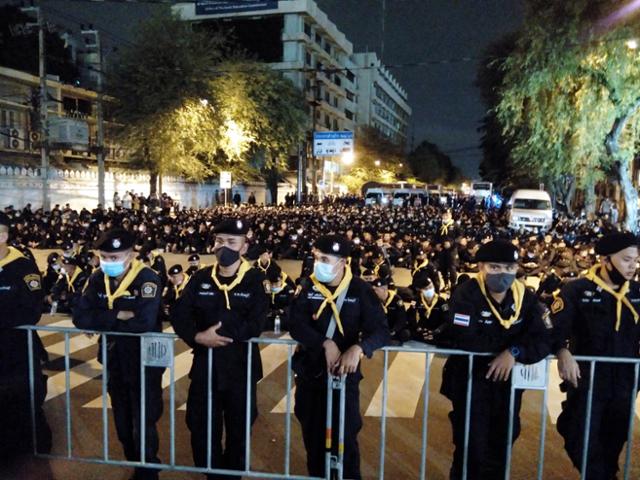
<point>377,162</point>
<point>632,44</point>
<point>400,165</point>
<point>347,158</point>
<point>204,102</point>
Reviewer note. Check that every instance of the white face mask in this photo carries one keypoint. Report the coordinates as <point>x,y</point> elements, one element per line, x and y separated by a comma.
<point>429,293</point>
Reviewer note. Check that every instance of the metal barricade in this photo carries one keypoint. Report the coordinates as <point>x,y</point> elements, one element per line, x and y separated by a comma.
<point>157,350</point>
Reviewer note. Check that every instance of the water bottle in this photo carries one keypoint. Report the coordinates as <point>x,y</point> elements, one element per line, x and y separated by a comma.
<point>276,325</point>
<point>54,307</point>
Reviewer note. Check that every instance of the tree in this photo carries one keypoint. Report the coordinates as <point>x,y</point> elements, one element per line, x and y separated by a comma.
<point>158,83</point>
<point>569,102</point>
<point>429,164</point>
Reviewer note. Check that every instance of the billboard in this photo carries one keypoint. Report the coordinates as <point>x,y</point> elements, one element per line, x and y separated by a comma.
<point>329,144</point>
<point>214,7</point>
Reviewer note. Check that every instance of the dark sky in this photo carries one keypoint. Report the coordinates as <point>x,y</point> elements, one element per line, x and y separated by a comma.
<point>446,105</point>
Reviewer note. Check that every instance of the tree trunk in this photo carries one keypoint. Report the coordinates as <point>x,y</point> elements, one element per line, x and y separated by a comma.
<point>272,185</point>
<point>153,182</point>
<point>590,199</point>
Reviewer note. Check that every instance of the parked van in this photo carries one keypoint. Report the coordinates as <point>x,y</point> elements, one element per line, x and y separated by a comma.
<point>531,210</point>
<point>481,190</point>
<point>378,196</point>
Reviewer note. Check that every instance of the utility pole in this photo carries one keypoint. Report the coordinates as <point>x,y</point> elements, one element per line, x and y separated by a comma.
<point>92,41</point>
<point>315,103</point>
<point>44,130</point>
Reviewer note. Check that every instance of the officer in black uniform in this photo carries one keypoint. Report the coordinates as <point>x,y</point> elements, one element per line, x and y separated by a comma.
<point>51,274</point>
<point>598,316</point>
<point>394,308</point>
<point>177,282</point>
<point>21,299</point>
<point>124,296</point>
<point>428,312</point>
<point>194,264</point>
<point>70,283</point>
<point>333,346</point>
<point>222,307</point>
<point>281,290</point>
<point>492,313</point>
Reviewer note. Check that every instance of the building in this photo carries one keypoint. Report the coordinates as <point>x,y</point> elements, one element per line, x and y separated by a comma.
<point>382,102</point>
<point>297,38</point>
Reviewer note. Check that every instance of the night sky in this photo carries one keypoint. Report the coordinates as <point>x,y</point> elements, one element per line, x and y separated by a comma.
<point>446,106</point>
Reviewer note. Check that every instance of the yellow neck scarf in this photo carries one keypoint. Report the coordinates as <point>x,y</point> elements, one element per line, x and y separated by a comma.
<point>385,305</point>
<point>426,305</point>
<point>444,228</point>
<point>284,284</point>
<point>73,278</point>
<point>517,289</point>
<point>417,268</point>
<point>178,289</point>
<point>264,269</point>
<point>134,269</point>
<point>14,254</point>
<point>244,268</point>
<point>330,298</point>
<point>620,296</point>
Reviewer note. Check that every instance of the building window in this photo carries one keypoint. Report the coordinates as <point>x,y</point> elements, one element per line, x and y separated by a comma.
<point>350,76</point>
<point>327,47</point>
<point>327,121</point>
<point>318,38</point>
<point>335,102</point>
<point>337,80</point>
<point>350,95</point>
<point>308,58</point>
<point>348,114</point>
<point>327,97</point>
<point>307,29</point>
<point>335,125</point>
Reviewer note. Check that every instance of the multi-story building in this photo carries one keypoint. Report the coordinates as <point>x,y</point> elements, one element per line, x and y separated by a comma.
<point>382,102</point>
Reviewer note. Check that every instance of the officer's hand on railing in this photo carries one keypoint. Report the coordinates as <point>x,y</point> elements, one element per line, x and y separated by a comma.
<point>125,315</point>
<point>210,337</point>
<point>568,368</point>
<point>500,367</point>
<point>349,360</point>
<point>331,354</point>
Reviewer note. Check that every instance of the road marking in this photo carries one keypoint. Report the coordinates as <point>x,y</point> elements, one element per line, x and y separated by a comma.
<point>67,323</point>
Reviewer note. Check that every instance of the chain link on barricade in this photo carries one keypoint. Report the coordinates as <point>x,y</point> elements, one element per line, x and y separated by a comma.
<point>158,350</point>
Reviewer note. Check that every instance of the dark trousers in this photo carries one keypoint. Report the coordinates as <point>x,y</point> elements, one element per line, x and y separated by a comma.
<point>488,428</point>
<point>311,411</point>
<point>608,433</point>
<point>15,415</point>
<point>228,417</point>
<point>124,390</point>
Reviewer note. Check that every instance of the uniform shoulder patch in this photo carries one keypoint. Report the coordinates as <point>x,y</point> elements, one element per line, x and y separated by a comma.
<point>33,282</point>
<point>557,306</point>
<point>148,290</point>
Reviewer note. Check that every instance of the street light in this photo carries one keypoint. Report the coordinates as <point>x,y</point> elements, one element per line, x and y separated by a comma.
<point>400,165</point>
<point>204,102</point>
<point>377,162</point>
<point>347,157</point>
<point>632,44</point>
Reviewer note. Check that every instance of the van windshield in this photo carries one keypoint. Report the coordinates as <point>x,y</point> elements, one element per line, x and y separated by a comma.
<point>373,195</point>
<point>531,204</point>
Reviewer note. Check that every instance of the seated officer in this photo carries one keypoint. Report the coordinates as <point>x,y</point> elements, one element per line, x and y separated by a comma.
<point>394,308</point>
<point>281,290</point>
<point>427,315</point>
<point>70,283</point>
<point>194,264</point>
<point>491,313</point>
<point>177,281</point>
<point>124,296</point>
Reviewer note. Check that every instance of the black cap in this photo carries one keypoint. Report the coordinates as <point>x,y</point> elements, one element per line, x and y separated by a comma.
<point>232,226</point>
<point>53,257</point>
<point>193,258</point>
<point>5,220</point>
<point>380,282</point>
<point>273,273</point>
<point>334,245</point>
<point>421,280</point>
<point>498,251</point>
<point>615,242</point>
<point>175,270</point>
<point>115,240</point>
<point>70,261</point>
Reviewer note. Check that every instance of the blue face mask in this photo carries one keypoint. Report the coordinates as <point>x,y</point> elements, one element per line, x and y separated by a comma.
<point>324,272</point>
<point>113,269</point>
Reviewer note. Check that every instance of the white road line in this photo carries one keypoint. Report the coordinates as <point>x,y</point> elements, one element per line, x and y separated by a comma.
<point>404,387</point>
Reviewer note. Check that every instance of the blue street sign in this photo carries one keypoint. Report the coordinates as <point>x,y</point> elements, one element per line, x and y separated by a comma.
<point>330,144</point>
<point>213,7</point>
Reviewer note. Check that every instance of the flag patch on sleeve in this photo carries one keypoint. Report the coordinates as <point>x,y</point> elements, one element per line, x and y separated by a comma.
<point>461,320</point>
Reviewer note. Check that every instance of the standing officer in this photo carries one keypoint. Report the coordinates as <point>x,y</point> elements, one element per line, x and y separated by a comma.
<point>598,316</point>
<point>124,296</point>
<point>492,313</point>
<point>70,283</point>
<point>222,307</point>
<point>337,319</point>
<point>21,299</point>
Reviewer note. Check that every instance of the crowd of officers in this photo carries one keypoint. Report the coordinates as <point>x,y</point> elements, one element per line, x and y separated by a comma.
<point>110,276</point>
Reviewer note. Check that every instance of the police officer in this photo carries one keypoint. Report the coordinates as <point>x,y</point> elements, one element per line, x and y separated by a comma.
<point>21,298</point>
<point>124,296</point>
<point>394,308</point>
<point>177,282</point>
<point>492,313</point>
<point>281,291</point>
<point>428,310</point>
<point>221,308</point>
<point>194,264</point>
<point>70,283</point>
<point>598,316</point>
<point>337,319</point>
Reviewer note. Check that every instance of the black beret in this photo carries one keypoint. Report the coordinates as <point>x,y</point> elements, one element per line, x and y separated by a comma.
<point>193,258</point>
<point>70,261</point>
<point>232,226</point>
<point>53,257</point>
<point>334,245</point>
<point>421,280</point>
<point>498,251</point>
<point>5,220</point>
<point>615,242</point>
<point>273,273</point>
<point>380,282</point>
<point>174,270</point>
<point>115,240</point>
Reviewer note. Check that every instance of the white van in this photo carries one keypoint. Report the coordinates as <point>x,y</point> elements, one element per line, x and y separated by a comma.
<point>401,195</point>
<point>531,210</point>
<point>377,196</point>
<point>481,190</point>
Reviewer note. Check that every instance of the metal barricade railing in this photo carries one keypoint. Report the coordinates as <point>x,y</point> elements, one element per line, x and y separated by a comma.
<point>164,343</point>
<point>157,350</point>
